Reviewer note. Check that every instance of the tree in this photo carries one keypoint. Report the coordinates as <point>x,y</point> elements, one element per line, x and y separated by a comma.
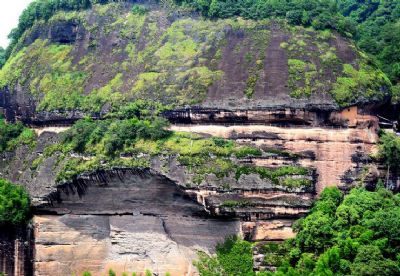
<point>370,261</point>
<point>14,204</point>
<point>2,57</point>
<point>389,150</point>
<point>359,236</point>
<point>234,257</point>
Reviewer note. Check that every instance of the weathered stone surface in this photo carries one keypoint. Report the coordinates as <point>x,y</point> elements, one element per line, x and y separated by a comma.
<point>333,149</point>
<point>132,220</point>
<point>16,250</point>
<point>145,223</point>
<point>272,230</point>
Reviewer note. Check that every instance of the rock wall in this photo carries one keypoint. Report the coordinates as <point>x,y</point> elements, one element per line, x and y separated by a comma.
<point>16,250</point>
<point>131,220</point>
<point>330,150</point>
<point>132,223</point>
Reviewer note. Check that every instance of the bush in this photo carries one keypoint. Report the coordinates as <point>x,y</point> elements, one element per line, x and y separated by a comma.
<point>8,132</point>
<point>14,204</point>
<point>139,9</point>
<point>352,235</point>
<point>234,257</point>
<point>112,135</point>
<point>389,150</point>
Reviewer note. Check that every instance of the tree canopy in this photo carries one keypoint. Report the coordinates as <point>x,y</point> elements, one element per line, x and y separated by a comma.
<point>14,204</point>
<point>2,56</point>
<point>357,234</point>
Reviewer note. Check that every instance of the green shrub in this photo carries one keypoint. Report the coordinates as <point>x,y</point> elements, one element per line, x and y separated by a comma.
<point>139,9</point>
<point>8,132</point>
<point>234,257</point>
<point>272,174</point>
<point>356,234</point>
<point>14,204</point>
<point>389,150</point>
<point>243,152</point>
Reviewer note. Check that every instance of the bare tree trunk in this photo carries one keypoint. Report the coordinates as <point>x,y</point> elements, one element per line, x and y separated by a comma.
<point>387,177</point>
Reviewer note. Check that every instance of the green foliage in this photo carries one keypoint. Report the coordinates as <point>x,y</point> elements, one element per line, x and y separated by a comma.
<point>300,71</point>
<point>366,82</point>
<point>43,10</point>
<point>50,75</point>
<point>378,31</point>
<point>352,235</point>
<point>389,150</point>
<point>111,272</point>
<point>319,14</point>
<point>244,151</point>
<point>86,273</point>
<point>234,257</point>
<point>112,135</point>
<point>2,57</point>
<point>14,204</point>
<point>250,85</point>
<point>131,135</point>
<point>139,9</point>
<point>14,135</point>
<point>148,273</point>
<point>275,175</point>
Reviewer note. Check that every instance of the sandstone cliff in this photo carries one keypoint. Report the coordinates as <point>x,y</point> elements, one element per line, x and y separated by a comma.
<point>277,88</point>
<point>92,61</point>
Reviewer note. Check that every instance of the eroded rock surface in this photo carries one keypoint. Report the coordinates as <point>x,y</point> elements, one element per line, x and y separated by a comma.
<point>329,150</point>
<point>130,224</point>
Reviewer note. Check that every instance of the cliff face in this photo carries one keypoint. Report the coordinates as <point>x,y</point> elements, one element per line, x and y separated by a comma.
<point>92,61</point>
<point>278,88</point>
<point>16,250</point>
<point>137,219</point>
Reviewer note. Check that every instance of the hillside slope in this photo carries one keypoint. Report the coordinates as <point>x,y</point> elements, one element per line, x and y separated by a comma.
<point>96,60</point>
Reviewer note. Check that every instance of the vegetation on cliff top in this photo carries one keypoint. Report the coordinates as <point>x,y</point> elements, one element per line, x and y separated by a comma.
<point>378,31</point>
<point>14,204</point>
<point>372,23</point>
<point>2,56</point>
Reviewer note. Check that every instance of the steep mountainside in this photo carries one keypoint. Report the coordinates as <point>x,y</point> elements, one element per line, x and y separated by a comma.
<point>93,61</point>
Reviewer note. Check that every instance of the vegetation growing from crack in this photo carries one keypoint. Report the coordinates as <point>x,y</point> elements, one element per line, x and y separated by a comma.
<point>133,135</point>
<point>278,176</point>
<point>15,135</point>
<point>236,203</point>
<point>309,68</point>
